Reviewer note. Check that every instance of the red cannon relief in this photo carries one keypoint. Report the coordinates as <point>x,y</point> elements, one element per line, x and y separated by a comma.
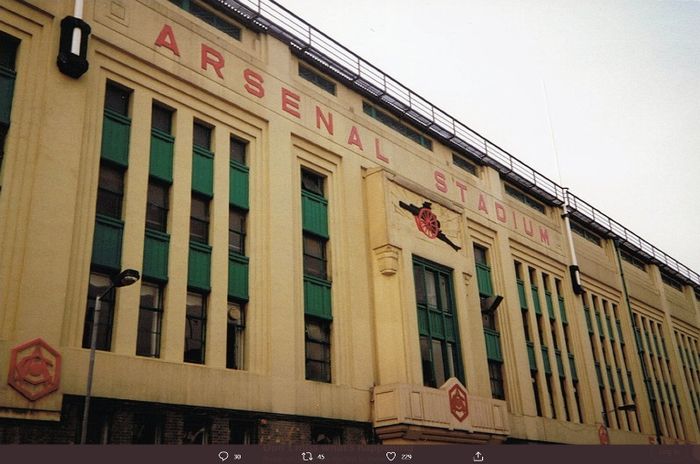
<point>35,369</point>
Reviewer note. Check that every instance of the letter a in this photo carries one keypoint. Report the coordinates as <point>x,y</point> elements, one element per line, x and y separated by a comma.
<point>166,39</point>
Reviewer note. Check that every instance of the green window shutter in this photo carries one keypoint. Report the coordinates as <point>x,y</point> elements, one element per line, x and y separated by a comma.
<point>161,161</point>
<point>536,300</point>
<point>622,384</point>
<point>521,294</point>
<point>619,332</point>
<point>550,304</point>
<point>314,210</point>
<point>560,362</point>
<point>562,311</point>
<point>629,380</point>
<point>450,330</point>
<point>203,171</point>
<point>317,297</point>
<point>238,276</point>
<point>599,323</point>
<point>531,356</point>
<point>437,330</point>
<point>199,266</point>
<point>493,345</point>
<point>545,359</point>
<point>115,138</point>
<point>7,89</point>
<point>610,378</point>
<point>650,389</point>
<point>483,277</point>
<point>238,188</point>
<point>155,255</point>
<point>589,323</point>
<point>107,242</point>
<point>572,366</point>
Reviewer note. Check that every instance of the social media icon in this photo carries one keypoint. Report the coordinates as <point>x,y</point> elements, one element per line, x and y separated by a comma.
<point>223,455</point>
<point>307,456</point>
<point>390,455</point>
<point>478,457</point>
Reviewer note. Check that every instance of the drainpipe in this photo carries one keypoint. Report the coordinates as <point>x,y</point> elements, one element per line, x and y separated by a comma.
<point>645,372</point>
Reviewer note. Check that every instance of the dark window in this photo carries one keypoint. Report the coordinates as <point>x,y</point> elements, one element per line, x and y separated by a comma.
<point>202,136</point>
<point>195,329</point>
<point>562,384</point>
<point>196,430</point>
<point>150,320</point>
<point>238,150</point>
<point>318,349</point>
<point>585,233</point>
<point>157,206</point>
<point>117,99</point>
<point>526,326</point>
<point>235,328</point>
<point>671,281</point>
<point>199,219</point>
<point>311,182</point>
<point>399,127</point>
<point>98,284</point>
<point>633,260</point>
<point>236,230</point>
<point>464,164</point>
<point>480,255</point>
<point>8,51</point>
<point>317,79</point>
<point>162,119</point>
<point>315,256</point>
<point>536,391</point>
<point>326,436</point>
<point>242,432</point>
<point>110,191</point>
<point>148,429</point>
<point>550,392</point>
<point>210,18</point>
<point>437,323</point>
<point>496,379</point>
<point>525,199</point>
<point>3,135</point>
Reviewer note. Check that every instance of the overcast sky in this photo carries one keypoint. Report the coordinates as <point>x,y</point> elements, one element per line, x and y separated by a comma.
<point>622,80</point>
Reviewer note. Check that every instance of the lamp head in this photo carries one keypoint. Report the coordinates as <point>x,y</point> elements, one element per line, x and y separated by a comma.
<point>490,304</point>
<point>125,278</point>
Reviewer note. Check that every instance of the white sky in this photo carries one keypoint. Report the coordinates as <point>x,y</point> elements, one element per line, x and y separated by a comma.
<point>622,77</point>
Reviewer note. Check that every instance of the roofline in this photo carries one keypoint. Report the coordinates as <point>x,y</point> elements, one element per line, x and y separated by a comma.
<point>331,57</point>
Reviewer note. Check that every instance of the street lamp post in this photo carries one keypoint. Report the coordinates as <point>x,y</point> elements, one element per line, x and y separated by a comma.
<point>123,279</point>
<point>624,407</point>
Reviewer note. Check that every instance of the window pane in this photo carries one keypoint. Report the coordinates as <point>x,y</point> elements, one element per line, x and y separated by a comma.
<point>445,302</point>
<point>450,361</point>
<point>419,279</point>
<point>238,149</point>
<point>312,182</point>
<point>162,119</point>
<point>157,206</point>
<point>236,226</point>
<point>480,255</point>
<point>110,191</point>
<point>98,284</point>
<point>234,335</point>
<point>199,219</point>
<point>430,291</point>
<point>428,377</point>
<point>438,363</point>
<point>202,136</point>
<point>117,99</point>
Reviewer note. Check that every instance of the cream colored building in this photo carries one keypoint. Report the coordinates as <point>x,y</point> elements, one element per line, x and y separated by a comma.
<point>315,268</point>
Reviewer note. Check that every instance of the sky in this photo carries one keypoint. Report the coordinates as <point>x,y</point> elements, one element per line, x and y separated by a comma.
<point>619,79</point>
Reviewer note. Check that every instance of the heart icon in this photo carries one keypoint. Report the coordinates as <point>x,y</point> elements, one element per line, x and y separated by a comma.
<point>390,455</point>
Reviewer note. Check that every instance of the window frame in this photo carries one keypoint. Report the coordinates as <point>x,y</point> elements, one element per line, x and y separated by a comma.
<point>235,335</point>
<point>204,220</point>
<point>202,318</point>
<point>157,311</point>
<point>107,306</point>
<point>324,343</point>
<point>163,211</point>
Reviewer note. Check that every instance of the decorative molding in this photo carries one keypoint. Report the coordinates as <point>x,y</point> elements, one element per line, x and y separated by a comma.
<point>388,259</point>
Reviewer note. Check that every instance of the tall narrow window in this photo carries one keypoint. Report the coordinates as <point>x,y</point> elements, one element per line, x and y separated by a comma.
<point>150,319</point>
<point>98,284</point>
<point>157,206</point>
<point>195,327</point>
<point>317,286</point>
<point>235,328</point>
<point>8,55</point>
<point>236,230</point>
<point>437,323</point>
<point>199,219</point>
<point>110,191</point>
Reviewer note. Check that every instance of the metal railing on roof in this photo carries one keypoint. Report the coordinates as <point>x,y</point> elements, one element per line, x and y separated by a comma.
<point>320,50</point>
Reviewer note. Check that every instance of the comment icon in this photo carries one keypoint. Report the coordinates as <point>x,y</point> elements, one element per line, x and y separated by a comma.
<point>223,455</point>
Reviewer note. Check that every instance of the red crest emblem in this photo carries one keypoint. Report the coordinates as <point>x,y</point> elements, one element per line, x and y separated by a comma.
<point>35,369</point>
<point>458,402</point>
<point>428,223</point>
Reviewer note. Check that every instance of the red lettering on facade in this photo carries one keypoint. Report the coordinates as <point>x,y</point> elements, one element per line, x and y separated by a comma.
<point>482,204</point>
<point>166,39</point>
<point>290,102</point>
<point>254,83</point>
<point>544,235</point>
<point>440,183</point>
<point>214,58</point>
<point>528,230</point>
<point>462,189</point>
<point>354,138</point>
<point>500,212</point>
<point>327,123</point>
<point>378,151</point>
